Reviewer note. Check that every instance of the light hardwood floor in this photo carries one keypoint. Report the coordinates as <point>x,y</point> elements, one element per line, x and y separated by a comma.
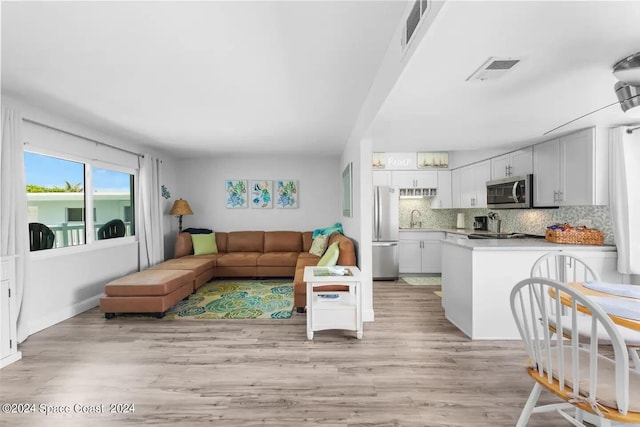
<point>412,368</point>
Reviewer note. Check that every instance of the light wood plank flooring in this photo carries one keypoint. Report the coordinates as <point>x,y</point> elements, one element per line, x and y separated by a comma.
<point>412,368</point>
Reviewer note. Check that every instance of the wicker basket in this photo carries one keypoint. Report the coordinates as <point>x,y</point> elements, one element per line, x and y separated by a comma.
<point>575,237</point>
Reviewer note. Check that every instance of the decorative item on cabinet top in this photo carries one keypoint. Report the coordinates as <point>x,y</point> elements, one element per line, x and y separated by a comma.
<point>433,160</point>
<point>378,161</point>
<point>418,193</point>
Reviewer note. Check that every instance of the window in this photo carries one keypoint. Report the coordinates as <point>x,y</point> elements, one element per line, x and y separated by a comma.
<point>113,198</point>
<point>55,192</point>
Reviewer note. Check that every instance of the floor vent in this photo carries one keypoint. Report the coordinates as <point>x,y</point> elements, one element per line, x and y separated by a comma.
<point>493,68</point>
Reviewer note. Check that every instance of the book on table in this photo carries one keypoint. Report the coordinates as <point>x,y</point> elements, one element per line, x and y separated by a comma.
<point>329,296</point>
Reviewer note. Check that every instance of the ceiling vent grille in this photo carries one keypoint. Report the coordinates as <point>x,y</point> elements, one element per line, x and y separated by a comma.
<point>493,68</point>
<point>418,11</point>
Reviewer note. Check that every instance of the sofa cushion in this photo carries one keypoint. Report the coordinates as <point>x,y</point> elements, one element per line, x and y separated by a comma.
<point>278,259</point>
<point>330,257</point>
<point>149,283</point>
<point>204,244</point>
<point>319,245</point>
<point>239,259</point>
<point>212,257</point>
<point>196,264</point>
<point>282,241</point>
<point>245,241</point>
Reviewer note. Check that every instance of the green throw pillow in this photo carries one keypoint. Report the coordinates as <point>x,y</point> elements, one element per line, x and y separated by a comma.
<point>319,245</point>
<point>204,244</point>
<point>330,257</point>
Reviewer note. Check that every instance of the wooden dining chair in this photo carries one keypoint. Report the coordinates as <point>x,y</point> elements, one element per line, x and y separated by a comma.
<point>563,267</point>
<point>566,268</point>
<point>596,379</point>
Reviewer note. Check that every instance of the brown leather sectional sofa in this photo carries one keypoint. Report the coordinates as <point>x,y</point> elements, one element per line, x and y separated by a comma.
<point>267,254</point>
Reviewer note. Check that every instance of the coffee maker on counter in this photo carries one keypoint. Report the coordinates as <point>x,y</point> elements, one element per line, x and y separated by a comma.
<point>480,223</point>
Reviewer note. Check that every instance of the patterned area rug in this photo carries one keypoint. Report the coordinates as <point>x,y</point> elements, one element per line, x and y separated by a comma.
<point>423,280</point>
<point>237,300</point>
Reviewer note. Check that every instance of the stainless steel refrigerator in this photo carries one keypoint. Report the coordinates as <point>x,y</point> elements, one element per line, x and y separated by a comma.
<point>385,232</point>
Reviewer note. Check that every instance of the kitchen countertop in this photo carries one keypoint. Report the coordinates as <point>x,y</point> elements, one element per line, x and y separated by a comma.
<point>464,231</point>
<point>523,244</point>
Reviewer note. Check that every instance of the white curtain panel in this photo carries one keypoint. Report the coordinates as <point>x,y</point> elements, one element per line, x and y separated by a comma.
<point>14,227</point>
<point>624,175</point>
<point>150,223</point>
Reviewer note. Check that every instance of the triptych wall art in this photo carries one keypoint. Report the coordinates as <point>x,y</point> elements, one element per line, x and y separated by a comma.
<point>260,194</point>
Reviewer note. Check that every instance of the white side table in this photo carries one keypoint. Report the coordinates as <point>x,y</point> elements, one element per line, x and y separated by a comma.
<point>333,309</point>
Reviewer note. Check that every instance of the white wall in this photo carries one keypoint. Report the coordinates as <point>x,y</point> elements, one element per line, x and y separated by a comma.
<point>64,282</point>
<point>201,182</point>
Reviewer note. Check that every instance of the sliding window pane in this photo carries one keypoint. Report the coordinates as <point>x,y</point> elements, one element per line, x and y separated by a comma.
<point>113,203</point>
<point>55,201</point>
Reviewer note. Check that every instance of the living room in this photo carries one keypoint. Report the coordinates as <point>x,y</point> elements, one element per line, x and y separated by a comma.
<point>133,82</point>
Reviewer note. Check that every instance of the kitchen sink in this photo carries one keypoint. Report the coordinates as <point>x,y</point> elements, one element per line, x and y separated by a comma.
<point>504,236</point>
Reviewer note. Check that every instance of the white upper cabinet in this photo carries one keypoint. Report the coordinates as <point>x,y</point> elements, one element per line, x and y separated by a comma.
<point>456,187</point>
<point>415,179</point>
<point>382,178</point>
<point>473,185</point>
<point>443,199</point>
<point>517,163</point>
<point>522,162</point>
<point>571,170</point>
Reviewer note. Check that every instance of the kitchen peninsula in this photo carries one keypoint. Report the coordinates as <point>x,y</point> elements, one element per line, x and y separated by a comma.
<point>478,275</point>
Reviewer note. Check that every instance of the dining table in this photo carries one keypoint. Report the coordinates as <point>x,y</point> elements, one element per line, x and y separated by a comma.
<point>619,320</point>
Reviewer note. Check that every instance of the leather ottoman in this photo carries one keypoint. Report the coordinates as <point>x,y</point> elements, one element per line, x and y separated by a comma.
<point>148,291</point>
<point>204,268</point>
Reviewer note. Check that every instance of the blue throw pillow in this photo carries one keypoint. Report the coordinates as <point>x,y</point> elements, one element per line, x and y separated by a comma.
<point>335,228</point>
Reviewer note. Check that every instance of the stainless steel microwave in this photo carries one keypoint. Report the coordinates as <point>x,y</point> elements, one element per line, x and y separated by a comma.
<point>514,192</point>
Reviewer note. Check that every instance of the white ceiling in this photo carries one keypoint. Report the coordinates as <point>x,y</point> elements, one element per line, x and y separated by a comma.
<point>567,52</point>
<point>201,77</point>
<point>220,77</point>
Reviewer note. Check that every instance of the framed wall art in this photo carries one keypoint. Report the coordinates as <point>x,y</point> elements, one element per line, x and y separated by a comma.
<point>261,194</point>
<point>286,194</point>
<point>433,160</point>
<point>236,193</point>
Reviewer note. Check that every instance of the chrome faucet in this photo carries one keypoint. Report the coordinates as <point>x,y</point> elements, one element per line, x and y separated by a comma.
<point>413,222</point>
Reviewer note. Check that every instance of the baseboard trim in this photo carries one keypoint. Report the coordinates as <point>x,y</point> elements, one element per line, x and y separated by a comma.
<point>10,359</point>
<point>63,314</point>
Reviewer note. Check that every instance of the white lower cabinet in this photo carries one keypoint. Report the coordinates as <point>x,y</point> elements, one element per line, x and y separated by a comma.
<point>8,313</point>
<point>419,251</point>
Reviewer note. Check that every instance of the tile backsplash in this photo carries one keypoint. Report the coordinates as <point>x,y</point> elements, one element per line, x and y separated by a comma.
<point>533,221</point>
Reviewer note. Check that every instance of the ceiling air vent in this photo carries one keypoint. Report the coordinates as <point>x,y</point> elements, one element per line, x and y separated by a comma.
<point>415,16</point>
<point>493,68</point>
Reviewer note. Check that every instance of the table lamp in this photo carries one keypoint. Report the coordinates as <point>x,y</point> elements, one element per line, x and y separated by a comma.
<point>180,207</point>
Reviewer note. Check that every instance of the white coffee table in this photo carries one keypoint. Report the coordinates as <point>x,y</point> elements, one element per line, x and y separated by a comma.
<point>333,309</point>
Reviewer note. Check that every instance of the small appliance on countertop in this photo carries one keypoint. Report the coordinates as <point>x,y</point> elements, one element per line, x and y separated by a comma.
<point>481,223</point>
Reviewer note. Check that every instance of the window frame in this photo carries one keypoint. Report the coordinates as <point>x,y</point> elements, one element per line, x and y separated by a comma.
<point>91,243</point>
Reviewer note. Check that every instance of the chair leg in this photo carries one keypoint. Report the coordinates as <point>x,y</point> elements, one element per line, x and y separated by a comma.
<point>633,353</point>
<point>528,407</point>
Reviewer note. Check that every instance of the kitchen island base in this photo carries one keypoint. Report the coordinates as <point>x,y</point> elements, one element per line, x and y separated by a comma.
<point>478,275</point>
